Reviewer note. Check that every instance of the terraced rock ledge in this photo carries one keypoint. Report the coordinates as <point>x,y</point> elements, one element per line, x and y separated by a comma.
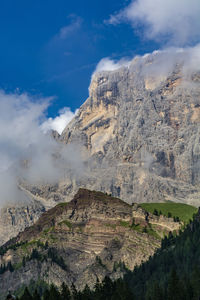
<point>92,236</point>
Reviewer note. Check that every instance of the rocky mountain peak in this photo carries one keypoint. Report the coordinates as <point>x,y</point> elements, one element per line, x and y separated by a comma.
<point>138,135</point>
<point>140,125</point>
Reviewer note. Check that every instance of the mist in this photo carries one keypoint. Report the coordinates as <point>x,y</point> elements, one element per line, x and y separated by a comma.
<point>159,64</point>
<point>26,152</point>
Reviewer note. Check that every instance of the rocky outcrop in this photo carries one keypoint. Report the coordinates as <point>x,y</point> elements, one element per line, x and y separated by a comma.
<point>138,133</point>
<point>92,236</point>
<point>141,132</point>
<point>14,219</point>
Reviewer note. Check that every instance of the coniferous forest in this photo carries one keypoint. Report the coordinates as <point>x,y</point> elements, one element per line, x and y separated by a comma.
<point>173,273</point>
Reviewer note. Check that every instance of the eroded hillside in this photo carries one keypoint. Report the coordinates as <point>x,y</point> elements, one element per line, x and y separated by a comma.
<point>92,236</point>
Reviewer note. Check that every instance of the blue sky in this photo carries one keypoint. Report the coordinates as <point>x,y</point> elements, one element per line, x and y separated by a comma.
<point>51,48</point>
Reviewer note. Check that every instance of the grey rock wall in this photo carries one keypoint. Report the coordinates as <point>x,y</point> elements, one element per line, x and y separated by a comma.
<point>142,134</point>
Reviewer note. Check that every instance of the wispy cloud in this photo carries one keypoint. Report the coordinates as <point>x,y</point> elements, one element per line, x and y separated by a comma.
<point>25,151</point>
<point>66,31</point>
<point>108,64</point>
<point>60,122</point>
<point>160,64</point>
<point>177,22</point>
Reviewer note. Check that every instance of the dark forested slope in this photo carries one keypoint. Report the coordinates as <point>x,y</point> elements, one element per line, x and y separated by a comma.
<point>173,273</point>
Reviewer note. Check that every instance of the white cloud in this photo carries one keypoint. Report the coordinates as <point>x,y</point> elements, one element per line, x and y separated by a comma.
<point>107,64</point>
<point>159,64</point>
<point>60,122</point>
<point>65,31</point>
<point>25,151</point>
<point>178,22</point>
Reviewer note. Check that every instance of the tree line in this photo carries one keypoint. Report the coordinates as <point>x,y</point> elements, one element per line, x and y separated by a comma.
<point>172,273</point>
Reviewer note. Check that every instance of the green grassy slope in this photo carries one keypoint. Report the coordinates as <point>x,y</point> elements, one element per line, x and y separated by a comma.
<point>183,211</point>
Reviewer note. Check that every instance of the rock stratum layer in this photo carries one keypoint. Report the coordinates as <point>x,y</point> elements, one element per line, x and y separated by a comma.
<point>77,242</point>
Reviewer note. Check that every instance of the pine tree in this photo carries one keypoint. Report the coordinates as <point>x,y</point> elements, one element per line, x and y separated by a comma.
<point>53,293</point>
<point>97,289</point>
<point>121,291</point>
<point>65,292</point>
<point>26,295</point>
<point>144,229</point>
<point>24,261</point>
<point>169,215</point>
<point>174,288</point>
<point>86,293</point>
<point>10,266</point>
<point>46,295</point>
<point>75,294</point>
<point>36,296</point>
<point>195,282</point>
<point>155,212</point>
<point>107,288</point>
<point>157,293</point>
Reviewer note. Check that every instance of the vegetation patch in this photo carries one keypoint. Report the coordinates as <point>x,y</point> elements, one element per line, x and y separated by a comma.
<point>45,231</point>
<point>14,246</point>
<point>152,232</point>
<point>111,225</point>
<point>40,285</point>
<point>124,224</point>
<point>17,266</point>
<point>67,223</point>
<point>184,212</point>
<point>136,227</point>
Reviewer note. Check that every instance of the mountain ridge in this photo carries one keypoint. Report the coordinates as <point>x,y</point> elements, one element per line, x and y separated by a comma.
<point>138,139</point>
<point>92,236</point>
<point>142,129</point>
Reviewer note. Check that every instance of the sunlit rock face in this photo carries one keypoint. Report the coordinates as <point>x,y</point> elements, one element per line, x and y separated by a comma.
<point>138,134</point>
<point>141,128</point>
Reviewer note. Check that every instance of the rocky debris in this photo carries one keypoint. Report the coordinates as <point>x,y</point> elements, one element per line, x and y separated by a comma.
<point>91,236</point>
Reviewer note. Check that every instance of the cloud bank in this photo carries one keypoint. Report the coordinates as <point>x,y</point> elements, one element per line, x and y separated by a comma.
<point>60,122</point>
<point>107,64</point>
<point>25,151</point>
<point>157,66</point>
<point>177,22</point>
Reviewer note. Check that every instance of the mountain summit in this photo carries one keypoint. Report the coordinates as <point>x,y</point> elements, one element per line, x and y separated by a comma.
<point>138,135</point>
<point>141,127</point>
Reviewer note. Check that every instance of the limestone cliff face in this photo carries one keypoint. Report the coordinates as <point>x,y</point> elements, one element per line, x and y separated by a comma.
<point>142,134</point>
<point>92,236</point>
<point>14,219</point>
<point>139,132</point>
<point>95,123</point>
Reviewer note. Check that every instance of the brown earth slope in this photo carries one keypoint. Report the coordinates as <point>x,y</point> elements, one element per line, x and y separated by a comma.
<point>92,236</point>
